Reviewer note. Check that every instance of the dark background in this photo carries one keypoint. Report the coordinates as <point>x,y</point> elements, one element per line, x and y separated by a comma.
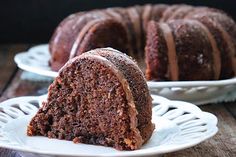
<point>33,21</point>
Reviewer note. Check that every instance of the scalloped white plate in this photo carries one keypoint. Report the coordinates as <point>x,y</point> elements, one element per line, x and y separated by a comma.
<point>198,92</point>
<point>35,60</point>
<point>179,125</point>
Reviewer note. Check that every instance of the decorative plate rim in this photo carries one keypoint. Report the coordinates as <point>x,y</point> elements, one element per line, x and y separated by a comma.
<point>159,109</point>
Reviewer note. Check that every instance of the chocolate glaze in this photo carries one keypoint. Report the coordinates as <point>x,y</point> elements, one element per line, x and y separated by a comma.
<point>115,13</point>
<point>134,17</point>
<point>168,12</point>
<point>171,52</point>
<point>146,15</point>
<point>157,11</point>
<point>215,53</point>
<point>192,50</point>
<point>103,34</point>
<point>181,12</point>
<point>136,81</point>
<point>80,37</point>
<point>222,39</point>
<point>156,57</point>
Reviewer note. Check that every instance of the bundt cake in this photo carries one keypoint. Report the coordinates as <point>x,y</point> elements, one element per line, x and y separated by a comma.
<point>100,97</point>
<point>178,42</point>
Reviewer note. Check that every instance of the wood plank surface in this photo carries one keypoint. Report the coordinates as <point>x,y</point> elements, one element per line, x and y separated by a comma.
<point>231,107</point>
<point>11,84</point>
<point>7,65</point>
<point>19,87</point>
<point>223,144</point>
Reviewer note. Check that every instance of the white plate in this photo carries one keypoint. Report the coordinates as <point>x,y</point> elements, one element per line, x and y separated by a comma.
<point>179,125</point>
<point>36,60</point>
<point>198,92</point>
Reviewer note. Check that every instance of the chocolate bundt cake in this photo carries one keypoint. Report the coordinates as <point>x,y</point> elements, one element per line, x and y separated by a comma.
<point>185,43</point>
<point>100,97</point>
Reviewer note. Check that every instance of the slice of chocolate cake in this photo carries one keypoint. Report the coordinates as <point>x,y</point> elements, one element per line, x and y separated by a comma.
<point>100,97</point>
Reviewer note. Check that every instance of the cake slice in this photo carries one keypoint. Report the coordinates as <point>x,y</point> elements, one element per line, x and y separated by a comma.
<point>100,97</point>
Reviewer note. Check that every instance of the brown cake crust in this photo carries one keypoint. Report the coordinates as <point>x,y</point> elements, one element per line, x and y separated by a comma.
<point>181,12</point>
<point>200,60</point>
<point>102,33</point>
<point>92,101</point>
<point>62,41</point>
<point>156,56</point>
<point>117,13</point>
<point>65,35</point>
<point>136,81</point>
<point>223,42</point>
<point>146,15</point>
<point>131,30</point>
<point>168,12</point>
<point>195,51</point>
<point>229,27</point>
<point>137,27</point>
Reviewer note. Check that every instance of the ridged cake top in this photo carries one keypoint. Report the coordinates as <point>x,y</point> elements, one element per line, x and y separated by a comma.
<point>134,20</point>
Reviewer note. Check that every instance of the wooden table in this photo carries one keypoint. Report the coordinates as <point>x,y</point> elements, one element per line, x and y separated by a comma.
<point>223,144</point>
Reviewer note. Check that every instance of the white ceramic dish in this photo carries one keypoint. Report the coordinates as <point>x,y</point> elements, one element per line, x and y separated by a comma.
<point>179,125</point>
<point>198,92</point>
<point>35,60</point>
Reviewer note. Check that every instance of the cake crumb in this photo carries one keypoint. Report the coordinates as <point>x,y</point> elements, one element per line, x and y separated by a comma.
<point>76,140</point>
